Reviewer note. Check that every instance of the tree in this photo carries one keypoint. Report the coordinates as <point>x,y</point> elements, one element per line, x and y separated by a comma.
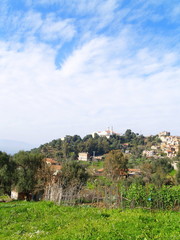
<point>73,173</point>
<point>87,137</point>
<point>162,163</point>
<point>177,158</point>
<point>102,145</point>
<point>159,177</point>
<point>156,171</point>
<point>91,145</point>
<point>6,173</point>
<point>178,174</point>
<point>147,171</point>
<point>129,135</point>
<point>29,171</point>
<point>65,150</point>
<point>116,164</point>
<point>72,178</point>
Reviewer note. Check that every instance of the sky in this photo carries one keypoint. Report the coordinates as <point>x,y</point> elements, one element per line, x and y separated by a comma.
<point>78,66</point>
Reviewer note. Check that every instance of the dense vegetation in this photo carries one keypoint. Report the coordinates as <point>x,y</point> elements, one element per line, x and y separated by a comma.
<point>44,220</point>
<point>24,171</point>
<point>70,146</point>
<point>154,185</point>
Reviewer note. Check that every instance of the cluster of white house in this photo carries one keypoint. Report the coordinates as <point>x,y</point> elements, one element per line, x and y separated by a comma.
<point>169,145</point>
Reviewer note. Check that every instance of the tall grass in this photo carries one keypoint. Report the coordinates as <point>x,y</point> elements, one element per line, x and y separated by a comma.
<point>45,220</point>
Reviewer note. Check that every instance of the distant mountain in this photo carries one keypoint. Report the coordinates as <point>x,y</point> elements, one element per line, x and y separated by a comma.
<point>11,146</point>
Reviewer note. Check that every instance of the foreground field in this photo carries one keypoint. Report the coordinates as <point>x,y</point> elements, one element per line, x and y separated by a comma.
<point>44,220</point>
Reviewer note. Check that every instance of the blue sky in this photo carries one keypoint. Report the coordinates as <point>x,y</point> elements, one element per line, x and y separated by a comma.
<point>77,66</point>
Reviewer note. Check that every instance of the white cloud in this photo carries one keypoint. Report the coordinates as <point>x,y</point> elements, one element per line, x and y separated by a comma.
<point>125,79</point>
<point>95,14</point>
<point>32,26</point>
<point>120,83</point>
<point>175,13</point>
<point>53,29</point>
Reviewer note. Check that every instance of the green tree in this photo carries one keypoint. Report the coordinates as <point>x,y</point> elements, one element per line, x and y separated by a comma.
<point>6,173</point>
<point>178,174</point>
<point>116,164</point>
<point>129,135</point>
<point>87,137</point>
<point>91,145</point>
<point>65,150</point>
<point>102,145</point>
<point>163,164</point>
<point>178,154</point>
<point>73,176</point>
<point>29,171</point>
<point>156,171</point>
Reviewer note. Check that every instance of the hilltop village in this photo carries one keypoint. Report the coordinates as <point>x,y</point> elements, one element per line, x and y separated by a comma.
<point>169,146</point>
<point>91,169</point>
<point>93,146</point>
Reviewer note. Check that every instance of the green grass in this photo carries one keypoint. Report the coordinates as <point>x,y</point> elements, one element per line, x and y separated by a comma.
<point>5,198</point>
<point>172,173</point>
<point>45,220</point>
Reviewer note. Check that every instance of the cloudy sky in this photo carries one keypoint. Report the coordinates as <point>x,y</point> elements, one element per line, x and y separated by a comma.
<point>78,66</point>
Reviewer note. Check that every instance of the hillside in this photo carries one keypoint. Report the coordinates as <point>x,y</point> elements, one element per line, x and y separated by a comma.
<point>69,147</point>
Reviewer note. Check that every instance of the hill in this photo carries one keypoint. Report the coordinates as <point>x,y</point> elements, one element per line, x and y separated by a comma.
<point>70,146</point>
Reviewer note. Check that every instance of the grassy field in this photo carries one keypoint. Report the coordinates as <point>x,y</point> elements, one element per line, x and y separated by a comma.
<point>44,220</point>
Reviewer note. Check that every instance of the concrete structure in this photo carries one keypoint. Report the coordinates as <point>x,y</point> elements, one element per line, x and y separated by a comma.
<point>15,195</point>
<point>147,153</point>
<point>165,133</point>
<point>106,133</point>
<point>155,147</point>
<point>83,156</point>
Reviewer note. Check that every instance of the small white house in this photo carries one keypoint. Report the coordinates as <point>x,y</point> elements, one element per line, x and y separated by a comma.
<point>14,195</point>
<point>83,156</point>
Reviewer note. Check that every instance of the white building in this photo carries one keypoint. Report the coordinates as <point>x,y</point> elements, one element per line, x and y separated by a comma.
<point>105,133</point>
<point>147,153</point>
<point>83,156</point>
<point>163,134</point>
